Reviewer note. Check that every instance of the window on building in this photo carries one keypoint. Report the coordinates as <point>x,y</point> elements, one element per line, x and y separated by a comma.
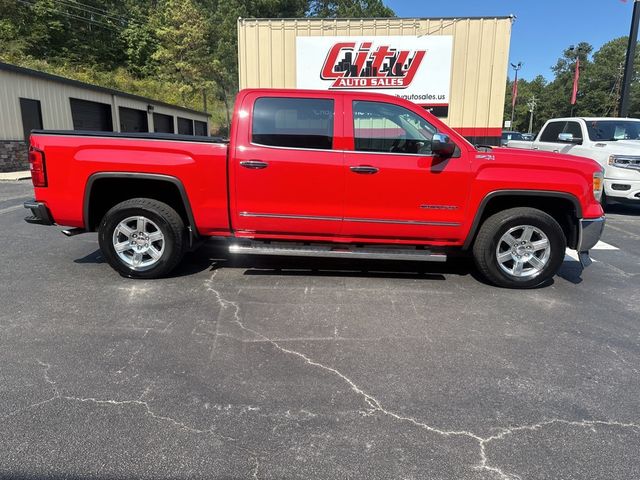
<point>384,127</point>
<point>551,132</point>
<point>201,128</point>
<point>185,126</point>
<point>92,116</point>
<point>133,120</point>
<point>163,123</point>
<point>31,116</point>
<point>293,122</point>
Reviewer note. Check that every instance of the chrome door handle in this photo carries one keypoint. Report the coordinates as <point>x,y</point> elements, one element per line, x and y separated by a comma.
<point>253,164</point>
<point>365,169</point>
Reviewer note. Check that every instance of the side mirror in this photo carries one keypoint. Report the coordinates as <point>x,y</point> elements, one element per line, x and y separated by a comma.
<point>442,146</point>
<point>568,138</point>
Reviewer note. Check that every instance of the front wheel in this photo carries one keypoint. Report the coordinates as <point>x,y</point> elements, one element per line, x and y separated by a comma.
<point>142,238</point>
<point>519,248</point>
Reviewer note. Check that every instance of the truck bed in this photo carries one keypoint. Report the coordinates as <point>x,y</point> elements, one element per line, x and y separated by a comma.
<point>75,160</point>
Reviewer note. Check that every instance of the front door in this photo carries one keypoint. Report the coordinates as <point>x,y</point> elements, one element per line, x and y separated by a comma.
<point>287,172</point>
<point>396,188</point>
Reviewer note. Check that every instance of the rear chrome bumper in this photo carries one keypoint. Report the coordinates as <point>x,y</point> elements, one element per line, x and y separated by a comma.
<point>590,231</point>
<point>39,213</point>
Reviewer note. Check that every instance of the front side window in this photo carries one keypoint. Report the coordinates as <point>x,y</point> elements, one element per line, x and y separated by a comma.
<point>384,127</point>
<point>293,122</point>
<point>574,129</point>
<point>551,132</point>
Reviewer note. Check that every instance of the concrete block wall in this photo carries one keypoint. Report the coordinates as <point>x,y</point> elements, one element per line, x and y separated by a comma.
<point>13,156</point>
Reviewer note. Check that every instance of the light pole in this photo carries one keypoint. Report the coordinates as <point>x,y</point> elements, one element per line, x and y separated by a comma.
<point>628,67</point>
<point>514,92</point>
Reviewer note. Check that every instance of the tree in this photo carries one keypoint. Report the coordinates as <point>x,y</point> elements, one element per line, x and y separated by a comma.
<point>183,51</point>
<point>346,8</point>
<point>600,82</point>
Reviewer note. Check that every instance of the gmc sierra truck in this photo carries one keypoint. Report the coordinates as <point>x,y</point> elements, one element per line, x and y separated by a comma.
<point>612,142</point>
<point>319,173</point>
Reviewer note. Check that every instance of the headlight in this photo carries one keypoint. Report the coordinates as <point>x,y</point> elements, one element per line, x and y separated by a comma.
<point>598,184</point>
<point>625,161</point>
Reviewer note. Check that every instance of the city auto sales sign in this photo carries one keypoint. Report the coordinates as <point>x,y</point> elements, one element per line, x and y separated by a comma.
<point>411,67</point>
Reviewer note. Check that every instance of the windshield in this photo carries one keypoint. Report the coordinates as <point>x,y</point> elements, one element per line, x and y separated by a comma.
<point>611,130</point>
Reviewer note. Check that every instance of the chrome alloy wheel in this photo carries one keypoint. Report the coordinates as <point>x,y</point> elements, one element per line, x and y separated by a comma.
<point>523,251</point>
<point>138,242</point>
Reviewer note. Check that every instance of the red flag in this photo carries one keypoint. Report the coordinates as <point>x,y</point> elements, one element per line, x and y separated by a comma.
<point>576,80</point>
<point>514,92</point>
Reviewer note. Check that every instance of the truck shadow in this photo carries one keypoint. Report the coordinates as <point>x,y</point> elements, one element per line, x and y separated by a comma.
<point>213,255</point>
<point>623,209</point>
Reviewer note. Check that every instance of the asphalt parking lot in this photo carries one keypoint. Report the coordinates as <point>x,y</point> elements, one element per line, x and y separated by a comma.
<point>283,369</point>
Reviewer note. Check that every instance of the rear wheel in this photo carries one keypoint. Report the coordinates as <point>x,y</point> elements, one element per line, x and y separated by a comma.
<point>142,238</point>
<point>519,248</point>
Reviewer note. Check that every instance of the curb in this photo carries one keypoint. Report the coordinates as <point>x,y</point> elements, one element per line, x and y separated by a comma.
<point>14,176</point>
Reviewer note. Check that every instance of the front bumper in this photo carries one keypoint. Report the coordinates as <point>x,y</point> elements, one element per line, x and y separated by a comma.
<point>622,190</point>
<point>590,231</point>
<point>40,214</point>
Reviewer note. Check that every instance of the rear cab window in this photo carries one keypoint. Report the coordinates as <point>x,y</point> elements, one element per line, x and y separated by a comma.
<point>305,123</point>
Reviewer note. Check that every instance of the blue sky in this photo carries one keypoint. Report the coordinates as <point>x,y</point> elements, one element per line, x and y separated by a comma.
<point>543,29</point>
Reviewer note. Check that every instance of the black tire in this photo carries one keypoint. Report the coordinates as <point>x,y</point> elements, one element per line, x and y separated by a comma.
<point>493,229</point>
<point>604,201</point>
<point>168,222</point>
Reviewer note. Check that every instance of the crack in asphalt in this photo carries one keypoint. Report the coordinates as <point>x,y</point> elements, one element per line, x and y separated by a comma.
<point>376,406</point>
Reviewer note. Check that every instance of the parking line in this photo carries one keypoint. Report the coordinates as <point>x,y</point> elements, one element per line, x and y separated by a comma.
<point>604,246</point>
<point>11,209</point>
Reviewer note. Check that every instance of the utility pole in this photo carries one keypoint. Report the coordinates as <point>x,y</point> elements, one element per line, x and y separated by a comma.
<point>617,91</point>
<point>514,92</point>
<point>532,108</point>
<point>631,53</point>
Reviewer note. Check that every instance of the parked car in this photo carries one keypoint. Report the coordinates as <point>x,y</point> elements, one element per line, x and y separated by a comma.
<point>612,142</point>
<point>319,173</point>
<point>508,135</point>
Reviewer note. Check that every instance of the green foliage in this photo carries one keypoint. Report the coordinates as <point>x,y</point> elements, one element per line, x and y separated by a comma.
<point>349,8</point>
<point>600,81</point>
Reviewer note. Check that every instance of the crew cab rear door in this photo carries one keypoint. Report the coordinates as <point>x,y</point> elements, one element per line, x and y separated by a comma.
<point>396,188</point>
<point>286,172</point>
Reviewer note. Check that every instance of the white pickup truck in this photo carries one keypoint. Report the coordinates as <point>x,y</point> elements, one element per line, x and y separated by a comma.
<point>612,142</point>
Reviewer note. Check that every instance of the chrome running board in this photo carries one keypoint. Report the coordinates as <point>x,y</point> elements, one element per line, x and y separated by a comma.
<point>291,249</point>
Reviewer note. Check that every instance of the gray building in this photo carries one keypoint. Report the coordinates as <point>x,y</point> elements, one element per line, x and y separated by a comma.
<point>30,99</point>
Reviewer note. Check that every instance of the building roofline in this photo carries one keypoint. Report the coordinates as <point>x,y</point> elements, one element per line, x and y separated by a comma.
<point>328,20</point>
<point>8,67</point>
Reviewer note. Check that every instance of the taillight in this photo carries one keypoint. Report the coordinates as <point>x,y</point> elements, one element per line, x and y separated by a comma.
<point>38,170</point>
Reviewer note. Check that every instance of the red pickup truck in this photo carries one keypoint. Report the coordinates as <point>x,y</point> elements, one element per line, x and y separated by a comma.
<point>317,173</point>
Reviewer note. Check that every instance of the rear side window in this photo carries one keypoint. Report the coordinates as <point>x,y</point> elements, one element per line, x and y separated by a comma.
<point>551,132</point>
<point>293,122</point>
